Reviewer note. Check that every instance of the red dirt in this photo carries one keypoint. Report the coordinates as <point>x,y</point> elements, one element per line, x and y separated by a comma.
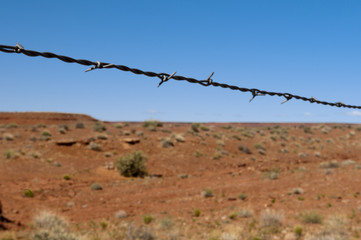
<point>31,166</point>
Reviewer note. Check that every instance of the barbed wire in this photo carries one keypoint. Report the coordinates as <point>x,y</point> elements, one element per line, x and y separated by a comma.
<point>164,77</point>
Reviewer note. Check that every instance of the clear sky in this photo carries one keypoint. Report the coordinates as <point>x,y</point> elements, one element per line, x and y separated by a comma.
<point>311,48</point>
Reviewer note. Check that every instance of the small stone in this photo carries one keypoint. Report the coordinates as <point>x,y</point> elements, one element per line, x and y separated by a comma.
<point>84,206</point>
<point>70,204</point>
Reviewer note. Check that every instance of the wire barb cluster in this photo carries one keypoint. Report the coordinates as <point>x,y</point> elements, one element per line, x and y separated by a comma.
<point>164,77</point>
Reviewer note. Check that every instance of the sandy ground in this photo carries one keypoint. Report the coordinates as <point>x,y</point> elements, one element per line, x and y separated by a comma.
<point>289,158</point>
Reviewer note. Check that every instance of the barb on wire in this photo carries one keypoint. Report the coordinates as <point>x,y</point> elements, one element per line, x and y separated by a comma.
<point>165,76</point>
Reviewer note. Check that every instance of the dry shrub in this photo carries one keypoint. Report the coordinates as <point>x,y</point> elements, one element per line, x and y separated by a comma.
<point>132,165</point>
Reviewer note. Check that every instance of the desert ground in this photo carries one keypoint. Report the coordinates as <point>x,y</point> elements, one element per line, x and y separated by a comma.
<point>202,181</point>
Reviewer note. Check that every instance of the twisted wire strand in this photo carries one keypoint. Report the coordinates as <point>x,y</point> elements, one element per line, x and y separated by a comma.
<point>165,76</point>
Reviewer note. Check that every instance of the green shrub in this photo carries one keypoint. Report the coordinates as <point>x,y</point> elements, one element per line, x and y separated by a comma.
<point>132,165</point>
<point>197,212</point>
<point>148,218</point>
<point>28,193</point>
<point>298,231</point>
<point>66,177</point>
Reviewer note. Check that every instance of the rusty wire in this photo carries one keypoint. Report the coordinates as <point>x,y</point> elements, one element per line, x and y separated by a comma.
<point>164,77</point>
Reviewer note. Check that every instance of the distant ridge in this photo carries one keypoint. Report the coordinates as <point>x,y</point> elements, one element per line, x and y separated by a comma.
<point>37,117</point>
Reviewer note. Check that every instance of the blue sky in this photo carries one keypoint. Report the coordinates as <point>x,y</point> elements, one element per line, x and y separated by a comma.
<point>309,48</point>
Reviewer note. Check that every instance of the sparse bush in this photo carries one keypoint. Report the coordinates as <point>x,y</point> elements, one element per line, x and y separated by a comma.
<point>51,227</point>
<point>132,165</point>
<point>179,138</point>
<point>148,218</point>
<point>12,125</point>
<point>195,127</point>
<point>311,218</point>
<point>298,231</point>
<point>99,127</point>
<point>347,163</point>
<point>245,213</point>
<point>271,219</point>
<point>329,164</point>
<point>66,177</point>
<point>232,216</point>
<point>197,212</point>
<point>79,125</point>
<point>95,147</point>
<point>35,155</point>
<point>141,233</point>
<point>236,137</point>
<point>207,193</point>
<point>46,133</point>
<point>118,125</point>
<point>96,186</point>
<point>48,220</point>
<point>167,142</point>
<point>244,149</point>
<point>204,128</point>
<point>259,146</point>
<point>217,156</point>
<point>273,174</point>
<point>242,196</point>
<point>9,154</point>
<point>198,154</point>
<point>8,137</point>
<point>28,193</point>
<point>152,125</point>
<point>102,137</point>
<point>297,191</point>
